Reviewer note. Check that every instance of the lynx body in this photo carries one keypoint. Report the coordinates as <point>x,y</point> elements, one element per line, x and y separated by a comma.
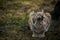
<point>39,23</point>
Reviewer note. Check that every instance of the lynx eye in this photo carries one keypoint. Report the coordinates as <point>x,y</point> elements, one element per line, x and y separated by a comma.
<point>39,19</point>
<point>33,21</point>
<point>42,18</point>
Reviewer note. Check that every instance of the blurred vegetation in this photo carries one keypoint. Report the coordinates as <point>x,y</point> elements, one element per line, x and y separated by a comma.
<point>14,19</point>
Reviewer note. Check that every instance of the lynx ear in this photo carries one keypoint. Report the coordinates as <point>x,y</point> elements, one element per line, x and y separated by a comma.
<point>42,11</point>
<point>31,13</point>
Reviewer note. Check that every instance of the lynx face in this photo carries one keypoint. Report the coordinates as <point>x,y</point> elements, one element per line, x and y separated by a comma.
<point>39,23</point>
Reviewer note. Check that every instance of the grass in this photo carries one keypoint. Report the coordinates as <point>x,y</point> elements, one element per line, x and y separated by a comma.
<point>14,20</point>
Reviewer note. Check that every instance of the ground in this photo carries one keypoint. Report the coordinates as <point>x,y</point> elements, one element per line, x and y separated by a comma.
<point>14,19</point>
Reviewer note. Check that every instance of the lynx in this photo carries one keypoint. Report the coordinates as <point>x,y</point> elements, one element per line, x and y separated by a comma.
<point>39,23</point>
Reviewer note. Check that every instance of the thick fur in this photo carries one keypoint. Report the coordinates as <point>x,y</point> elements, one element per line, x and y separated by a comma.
<point>39,23</point>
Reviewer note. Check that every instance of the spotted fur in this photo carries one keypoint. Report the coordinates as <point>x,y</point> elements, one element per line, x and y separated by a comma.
<point>39,23</point>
